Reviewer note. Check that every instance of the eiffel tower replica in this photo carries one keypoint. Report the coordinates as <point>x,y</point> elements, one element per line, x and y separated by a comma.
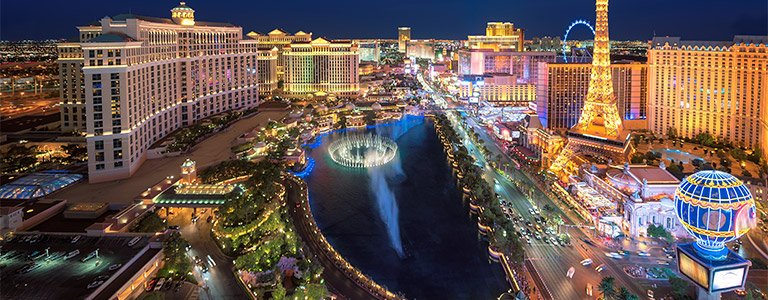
<point>599,132</point>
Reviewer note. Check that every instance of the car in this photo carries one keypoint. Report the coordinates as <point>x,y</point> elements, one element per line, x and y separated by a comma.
<point>650,294</point>
<point>586,262</point>
<point>159,284</point>
<point>95,284</point>
<point>115,267</point>
<point>173,227</point>
<point>209,219</point>
<point>102,277</point>
<point>178,286</point>
<point>643,253</point>
<point>151,285</point>
<point>667,249</point>
<point>528,223</point>
<point>546,240</point>
<point>520,235</point>
<point>600,268</point>
<point>570,272</point>
<point>204,268</point>
<point>168,284</point>
<point>613,255</point>
<point>740,292</point>
<point>75,239</point>
<point>538,236</point>
<point>663,262</point>
<point>623,252</point>
<point>589,289</point>
<point>527,239</point>
<point>538,228</point>
<point>134,241</point>
<point>197,259</point>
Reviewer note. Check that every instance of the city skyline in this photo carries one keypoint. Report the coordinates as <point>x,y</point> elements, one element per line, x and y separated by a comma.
<point>746,17</point>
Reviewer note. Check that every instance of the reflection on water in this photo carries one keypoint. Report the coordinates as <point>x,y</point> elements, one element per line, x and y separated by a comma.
<point>444,257</point>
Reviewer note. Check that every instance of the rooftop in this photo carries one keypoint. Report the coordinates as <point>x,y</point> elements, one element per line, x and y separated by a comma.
<point>37,185</point>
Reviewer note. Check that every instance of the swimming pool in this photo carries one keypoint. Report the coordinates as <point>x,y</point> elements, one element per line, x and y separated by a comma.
<point>676,155</point>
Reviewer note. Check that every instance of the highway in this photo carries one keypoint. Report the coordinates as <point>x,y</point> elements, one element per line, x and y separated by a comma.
<point>551,261</point>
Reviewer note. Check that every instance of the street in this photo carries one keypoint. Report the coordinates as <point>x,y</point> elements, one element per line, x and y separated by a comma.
<point>219,282</point>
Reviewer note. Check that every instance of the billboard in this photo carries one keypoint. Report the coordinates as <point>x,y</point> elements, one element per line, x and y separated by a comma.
<point>697,272</point>
<point>728,279</point>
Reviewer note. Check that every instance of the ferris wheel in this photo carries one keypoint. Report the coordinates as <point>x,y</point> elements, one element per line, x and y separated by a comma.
<point>574,57</point>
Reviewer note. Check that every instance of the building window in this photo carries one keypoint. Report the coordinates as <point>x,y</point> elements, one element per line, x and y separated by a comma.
<point>117,143</point>
<point>118,164</point>
<point>117,154</point>
<point>98,145</point>
<point>99,166</point>
<point>99,156</point>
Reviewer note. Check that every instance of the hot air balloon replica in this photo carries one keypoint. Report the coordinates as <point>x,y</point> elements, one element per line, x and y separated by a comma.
<point>715,208</point>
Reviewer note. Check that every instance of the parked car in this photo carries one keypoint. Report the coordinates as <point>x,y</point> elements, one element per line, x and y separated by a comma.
<point>134,241</point>
<point>586,262</point>
<point>570,272</point>
<point>75,239</point>
<point>151,285</point>
<point>159,284</point>
<point>643,253</point>
<point>115,267</point>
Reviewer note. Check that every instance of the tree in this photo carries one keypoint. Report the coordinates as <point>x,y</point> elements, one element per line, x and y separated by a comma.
<point>294,132</point>
<point>679,287</point>
<point>625,294</point>
<point>279,292</point>
<point>705,139</point>
<point>675,170</point>
<point>607,288</point>
<point>150,223</point>
<point>370,118</point>
<point>637,158</point>
<point>660,232</point>
<point>342,123</point>
<point>738,154</point>
<point>75,152</point>
<point>746,173</point>
<point>672,133</point>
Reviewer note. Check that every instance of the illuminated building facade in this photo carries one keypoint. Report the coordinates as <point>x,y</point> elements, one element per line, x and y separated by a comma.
<point>715,87</point>
<point>485,61</point>
<point>497,89</point>
<point>499,36</point>
<point>267,70</point>
<point>562,88</point>
<point>600,131</point>
<point>369,51</point>
<point>403,36</point>
<point>420,49</point>
<point>146,77</point>
<point>322,65</point>
<point>279,39</point>
<point>71,79</point>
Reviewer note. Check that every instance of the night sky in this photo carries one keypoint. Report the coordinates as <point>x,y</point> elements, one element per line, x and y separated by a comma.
<point>441,19</point>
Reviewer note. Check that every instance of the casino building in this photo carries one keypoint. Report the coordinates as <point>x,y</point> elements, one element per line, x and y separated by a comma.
<point>145,77</point>
<point>642,195</point>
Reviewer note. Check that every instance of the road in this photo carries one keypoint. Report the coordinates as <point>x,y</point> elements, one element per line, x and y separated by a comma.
<point>219,282</point>
<point>552,262</point>
<point>334,278</point>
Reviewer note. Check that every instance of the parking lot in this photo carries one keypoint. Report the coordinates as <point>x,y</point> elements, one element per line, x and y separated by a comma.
<point>50,275</point>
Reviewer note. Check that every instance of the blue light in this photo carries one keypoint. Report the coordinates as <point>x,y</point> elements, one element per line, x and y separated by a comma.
<point>565,38</point>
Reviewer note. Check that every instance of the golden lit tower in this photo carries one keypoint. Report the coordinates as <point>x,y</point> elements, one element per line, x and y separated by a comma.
<point>599,131</point>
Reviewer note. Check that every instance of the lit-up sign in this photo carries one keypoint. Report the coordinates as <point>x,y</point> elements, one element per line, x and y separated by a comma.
<point>728,279</point>
<point>713,276</point>
<point>695,271</point>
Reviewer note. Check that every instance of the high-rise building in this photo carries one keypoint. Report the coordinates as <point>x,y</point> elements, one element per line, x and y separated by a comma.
<point>330,67</point>
<point>715,87</point>
<point>499,36</point>
<point>497,89</point>
<point>369,51</point>
<point>267,70</point>
<point>420,49</point>
<point>562,87</point>
<point>599,131</point>
<point>71,79</point>
<point>486,61</point>
<point>403,36</point>
<point>145,77</point>
<point>279,39</point>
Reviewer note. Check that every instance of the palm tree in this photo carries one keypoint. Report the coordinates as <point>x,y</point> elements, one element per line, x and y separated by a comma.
<point>607,288</point>
<point>625,294</point>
